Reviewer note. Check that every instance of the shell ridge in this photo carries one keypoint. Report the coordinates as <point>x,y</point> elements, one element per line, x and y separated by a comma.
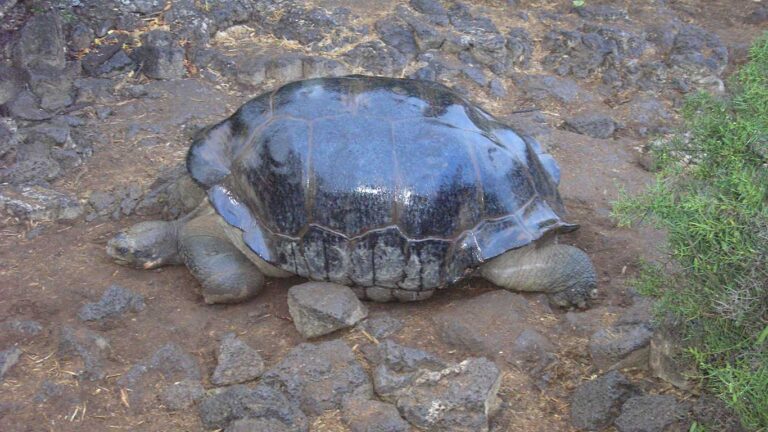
<point>471,150</point>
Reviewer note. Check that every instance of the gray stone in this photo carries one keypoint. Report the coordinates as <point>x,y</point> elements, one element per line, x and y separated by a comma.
<point>22,328</point>
<point>397,34</point>
<point>117,64</point>
<point>80,37</point>
<point>362,415</point>
<point>400,358</point>
<point>308,26</point>
<point>54,86</point>
<point>10,137</point>
<point>57,396</point>
<point>315,67</point>
<point>128,22</point>
<point>129,197</point>
<point>259,424</point>
<point>93,62</point>
<point>519,47</point>
<point>317,377</point>
<point>226,14</point>
<point>285,68</point>
<point>34,232</point>
<point>662,34</point>
<point>248,71</point>
<point>181,395</point>
<point>8,358</point>
<point>476,75</point>
<point>135,91</point>
<point>429,7</point>
<point>757,16</point>
<point>26,107</point>
<point>71,120</point>
<point>594,404</point>
<point>434,395</point>
<point>6,6</point>
<point>594,124</point>
<point>319,308</point>
<point>666,357</point>
<point>115,301</point>
<point>33,147</point>
<point>240,402</point>
<point>697,53</point>
<point>388,383</point>
<point>170,364</point>
<point>641,312</point>
<point>188,21</point>
<point>42,42</point>
<point>36,203</point>
<point>53,133</point>
<point>121,201</point>
<point>426,36</point>
<point>489,323</point>
<point>94,90</point>
<point>104,26</point>
<point>479,36</point>
<point>461,397</point>
<point>601,12</point>
<point>563,90</point>
<point>619,347</point>
<point>160,56</point>
<point>464,20</point>
<point>11,83</point>
<point>652,413</point>
<point>237,363</point>
<point>610,51</point>
<point>647,115</point>
<point>584,323</point>
<point>376,57</point>
<point>102,112</point>
<point>574,53</point>
<point>714,414</point>
<point>498,90</point>
<point>170,361</point>
<point>381,326</point>
<point>89,346</point>
<point>624,44</point>
<point>532,351</point>
<point>143,7</point>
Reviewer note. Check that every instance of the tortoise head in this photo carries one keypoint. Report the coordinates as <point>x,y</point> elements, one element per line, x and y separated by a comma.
<point>146,245</point>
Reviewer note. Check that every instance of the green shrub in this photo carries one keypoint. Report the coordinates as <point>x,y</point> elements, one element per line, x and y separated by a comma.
<point>711,197</point>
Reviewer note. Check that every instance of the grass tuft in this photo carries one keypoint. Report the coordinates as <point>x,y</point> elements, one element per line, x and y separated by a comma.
<point>711,196</point>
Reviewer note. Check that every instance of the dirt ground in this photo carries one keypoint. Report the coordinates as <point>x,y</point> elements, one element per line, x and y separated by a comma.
<point>49,277</point>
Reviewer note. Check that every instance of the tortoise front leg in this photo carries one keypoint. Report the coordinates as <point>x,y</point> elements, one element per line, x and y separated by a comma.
<point>563,272</point>
<point>225,274</point>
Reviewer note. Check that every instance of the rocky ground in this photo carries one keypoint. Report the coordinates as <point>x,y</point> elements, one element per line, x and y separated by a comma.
<point>98,100</point>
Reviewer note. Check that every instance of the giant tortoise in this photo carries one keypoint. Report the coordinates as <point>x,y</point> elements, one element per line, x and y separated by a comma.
<point>394,187</point>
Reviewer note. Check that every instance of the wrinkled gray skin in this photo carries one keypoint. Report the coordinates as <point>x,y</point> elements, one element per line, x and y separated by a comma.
<point>229,272</point>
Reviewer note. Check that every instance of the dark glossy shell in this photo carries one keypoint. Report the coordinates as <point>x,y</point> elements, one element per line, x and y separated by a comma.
<point>376,181</point>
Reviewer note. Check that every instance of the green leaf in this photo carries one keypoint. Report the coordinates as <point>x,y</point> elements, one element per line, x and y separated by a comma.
<point>762,337</point>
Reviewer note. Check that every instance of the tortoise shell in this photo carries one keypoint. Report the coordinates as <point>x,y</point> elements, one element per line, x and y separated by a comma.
<point>374,181</point>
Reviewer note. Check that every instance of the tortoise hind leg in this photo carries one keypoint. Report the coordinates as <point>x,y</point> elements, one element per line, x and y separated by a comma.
<point>225,274</point>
